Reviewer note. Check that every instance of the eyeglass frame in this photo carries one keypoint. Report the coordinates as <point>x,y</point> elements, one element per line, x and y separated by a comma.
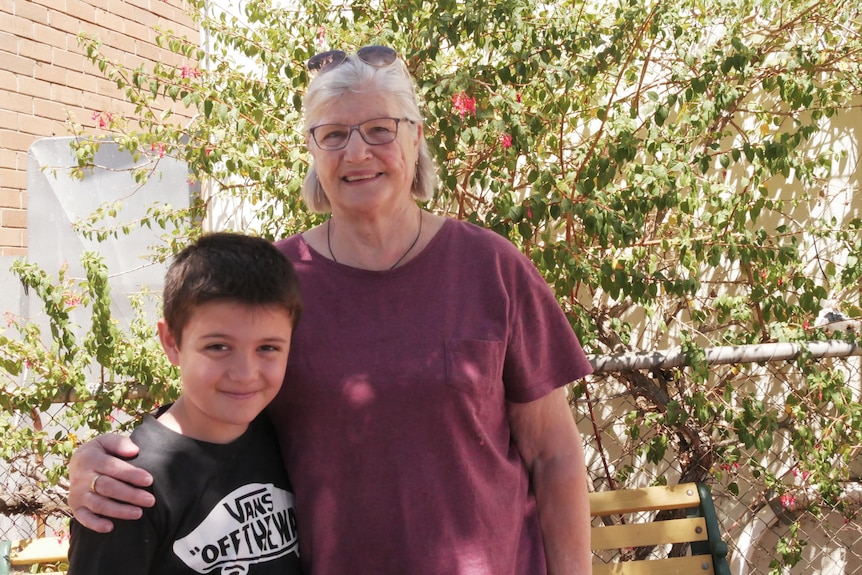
<point>356,127</point>
<point>325,61</point>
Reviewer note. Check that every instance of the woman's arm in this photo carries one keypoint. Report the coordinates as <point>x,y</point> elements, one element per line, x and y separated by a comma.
<point>117,495</point>
<point>550,445</point>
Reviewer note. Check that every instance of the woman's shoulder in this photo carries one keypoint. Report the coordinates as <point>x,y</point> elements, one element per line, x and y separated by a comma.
<point>479,239</point>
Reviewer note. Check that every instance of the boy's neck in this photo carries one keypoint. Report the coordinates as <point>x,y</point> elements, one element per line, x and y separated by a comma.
<point>187,422</point>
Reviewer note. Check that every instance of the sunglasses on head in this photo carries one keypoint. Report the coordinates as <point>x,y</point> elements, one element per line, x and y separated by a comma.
<point>377,56</point>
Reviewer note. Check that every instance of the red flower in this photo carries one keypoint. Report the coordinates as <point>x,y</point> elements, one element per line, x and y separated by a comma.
<point>505,141</point>
<point>464,104</point>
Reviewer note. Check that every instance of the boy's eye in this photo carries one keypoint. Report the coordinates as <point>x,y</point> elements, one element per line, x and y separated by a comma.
<point>216,347</point>
<point>269,348</point>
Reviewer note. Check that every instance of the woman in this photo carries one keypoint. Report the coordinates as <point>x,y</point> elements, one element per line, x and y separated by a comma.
<point>423,418</point>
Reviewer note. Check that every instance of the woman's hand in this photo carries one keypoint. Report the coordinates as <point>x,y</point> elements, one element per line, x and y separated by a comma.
<point>104,486</point>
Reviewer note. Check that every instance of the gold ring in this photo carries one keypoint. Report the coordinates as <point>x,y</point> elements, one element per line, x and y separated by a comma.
<point>93,483</point>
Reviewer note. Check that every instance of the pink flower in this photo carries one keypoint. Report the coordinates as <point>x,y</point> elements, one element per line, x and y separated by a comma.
<point>321,34</point>
<point>158,147</point>
<point>464,104</point>
<point>189,72</point>
<point>518,97</point>
<point>71,299</point>
<point>787,500</point>
<point>103,119</point>
<point>505,141</point>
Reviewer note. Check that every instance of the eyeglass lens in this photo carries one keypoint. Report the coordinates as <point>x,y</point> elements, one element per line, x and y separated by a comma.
<point>377,56</point>
<point>374,132</point>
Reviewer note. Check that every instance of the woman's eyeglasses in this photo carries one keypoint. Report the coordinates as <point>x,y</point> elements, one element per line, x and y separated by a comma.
<point>377,56</point>
<point>374,132</point>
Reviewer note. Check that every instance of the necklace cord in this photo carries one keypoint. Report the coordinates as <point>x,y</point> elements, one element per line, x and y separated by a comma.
<point>404,255</point>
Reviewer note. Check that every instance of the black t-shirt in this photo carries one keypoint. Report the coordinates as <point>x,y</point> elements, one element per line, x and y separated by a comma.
<point>221,509</point>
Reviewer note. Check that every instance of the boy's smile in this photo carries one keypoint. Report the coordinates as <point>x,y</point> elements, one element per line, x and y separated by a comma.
<point>232,359</point>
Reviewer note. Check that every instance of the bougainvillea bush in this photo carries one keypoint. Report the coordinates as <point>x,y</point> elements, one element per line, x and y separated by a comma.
<point>682,173</point>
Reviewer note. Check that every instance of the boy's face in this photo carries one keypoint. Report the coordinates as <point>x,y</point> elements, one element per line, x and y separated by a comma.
<point>232,361</point>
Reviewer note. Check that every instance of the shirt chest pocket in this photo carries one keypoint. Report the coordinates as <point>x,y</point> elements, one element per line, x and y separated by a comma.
<point>474,366</point>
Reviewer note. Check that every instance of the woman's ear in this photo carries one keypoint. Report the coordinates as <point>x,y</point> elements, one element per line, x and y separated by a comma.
<point>169,342</point>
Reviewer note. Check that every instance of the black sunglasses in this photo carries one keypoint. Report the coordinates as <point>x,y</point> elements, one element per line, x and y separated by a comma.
<point>377,56</point>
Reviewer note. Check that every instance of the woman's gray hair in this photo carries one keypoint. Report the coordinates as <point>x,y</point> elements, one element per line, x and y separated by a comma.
<point>393,80</point>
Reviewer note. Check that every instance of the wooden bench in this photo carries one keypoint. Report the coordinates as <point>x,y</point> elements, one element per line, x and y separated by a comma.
<point>19,556</point>
<point>630,520</point>
<point>657,518</point>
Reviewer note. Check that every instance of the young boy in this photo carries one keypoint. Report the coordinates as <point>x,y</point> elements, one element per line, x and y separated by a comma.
<point>224,504</point>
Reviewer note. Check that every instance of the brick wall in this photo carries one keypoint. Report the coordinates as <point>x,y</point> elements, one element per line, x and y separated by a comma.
<point>45,80</point>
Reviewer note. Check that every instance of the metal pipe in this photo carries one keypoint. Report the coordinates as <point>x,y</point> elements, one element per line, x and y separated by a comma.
<point>757,353</point>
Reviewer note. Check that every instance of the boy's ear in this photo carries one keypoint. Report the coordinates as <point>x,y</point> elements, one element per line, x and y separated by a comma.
<point>169,342</point>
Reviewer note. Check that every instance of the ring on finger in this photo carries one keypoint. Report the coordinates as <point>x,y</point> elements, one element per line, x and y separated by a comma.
<point>93,483</point>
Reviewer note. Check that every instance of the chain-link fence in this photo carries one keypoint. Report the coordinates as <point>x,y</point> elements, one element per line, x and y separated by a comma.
<point>773,517</point>
<point>767,526</point>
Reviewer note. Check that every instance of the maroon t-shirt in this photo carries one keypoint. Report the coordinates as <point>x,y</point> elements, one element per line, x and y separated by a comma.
<point>392,418</point>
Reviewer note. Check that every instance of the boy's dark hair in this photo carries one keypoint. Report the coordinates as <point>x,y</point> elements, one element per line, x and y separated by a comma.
<point>233,267</point>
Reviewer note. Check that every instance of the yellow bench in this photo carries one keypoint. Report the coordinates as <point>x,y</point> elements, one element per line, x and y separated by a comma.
<point>19,556</point>
<point>623,528</point>
<point>628,522</point>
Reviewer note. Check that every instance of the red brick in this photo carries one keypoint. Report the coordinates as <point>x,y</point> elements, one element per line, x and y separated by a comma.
<point>48,35</point>
<point>8,121</point>
<point>8,80</point>
<point>31,87</point>
<point>109,20</point>
<point>15,141</point>
<point>13,237</point>
<point>123,43</point>
<point>84,11</point>
<point>42,127</point>
<point>10,198</point>
<point>16,26</point>
<point>13,218</point>
<point>49,109</point>
<point>139,31</point>
<point>68,24</point>
<point>8,43</point>
<point>142,4</point>
<point>66,95</point>
<point>148,51</point>
<point>68,60</point>
<point>16,102</point>
<point>31,11</point>
<point>15,179</point>
<point>125,10</point>
<point>18,65</point>
<point>102,4</point>
<point>82,81</point>
<point>8,159</point>
<point>37,51</point>
<point>15,252</point>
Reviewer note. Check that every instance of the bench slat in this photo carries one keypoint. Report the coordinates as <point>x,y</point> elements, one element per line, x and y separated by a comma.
<point>680,496</point>
<point>640,534</point>
<point>693,565</point>
<point>42,550</point>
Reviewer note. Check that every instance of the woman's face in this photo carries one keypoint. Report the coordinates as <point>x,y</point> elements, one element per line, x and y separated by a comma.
<point>363,180</point>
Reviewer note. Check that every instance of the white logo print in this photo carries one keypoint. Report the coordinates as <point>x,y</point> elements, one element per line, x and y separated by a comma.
<point>253,524</point>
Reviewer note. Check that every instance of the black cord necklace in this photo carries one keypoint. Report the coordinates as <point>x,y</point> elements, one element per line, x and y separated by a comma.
<point>404,255</point>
